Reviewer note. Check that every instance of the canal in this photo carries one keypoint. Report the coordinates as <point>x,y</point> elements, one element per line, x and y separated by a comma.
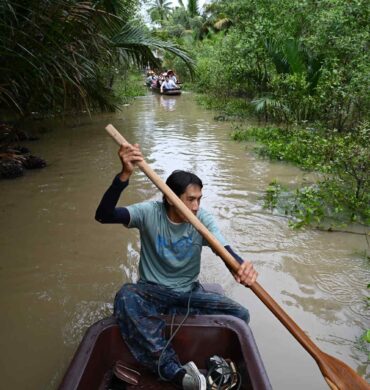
<point>60,269</point>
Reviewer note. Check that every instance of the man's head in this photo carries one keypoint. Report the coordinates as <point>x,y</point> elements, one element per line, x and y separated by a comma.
<point>187,186</point>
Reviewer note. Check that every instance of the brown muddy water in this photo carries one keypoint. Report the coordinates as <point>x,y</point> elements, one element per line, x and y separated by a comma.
<point>59,269</point>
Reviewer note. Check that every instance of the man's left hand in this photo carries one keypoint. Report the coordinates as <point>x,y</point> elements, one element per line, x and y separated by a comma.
<point>246,274</point>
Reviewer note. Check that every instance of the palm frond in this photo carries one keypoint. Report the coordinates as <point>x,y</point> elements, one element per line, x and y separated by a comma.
<point>136,44</point>
<point>193,8</point>
<point>270,104</point>
<point>6,96</point>
<point>277,55</point>
<point>294,56</point>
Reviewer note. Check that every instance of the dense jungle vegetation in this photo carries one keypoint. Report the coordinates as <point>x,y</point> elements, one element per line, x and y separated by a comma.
<point>64,55</point>
<point>301,68</point>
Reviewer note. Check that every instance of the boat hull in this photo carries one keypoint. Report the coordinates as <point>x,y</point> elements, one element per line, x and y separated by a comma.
<point>199,338</point>
<point>170,92</point>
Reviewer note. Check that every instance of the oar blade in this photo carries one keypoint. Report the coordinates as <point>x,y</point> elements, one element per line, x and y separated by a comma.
<point>341,375</point>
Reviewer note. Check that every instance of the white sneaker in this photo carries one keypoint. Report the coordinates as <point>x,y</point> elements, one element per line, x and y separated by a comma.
<point>193,379</point>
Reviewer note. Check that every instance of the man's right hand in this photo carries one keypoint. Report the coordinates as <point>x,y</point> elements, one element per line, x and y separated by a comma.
<point>129,155</point>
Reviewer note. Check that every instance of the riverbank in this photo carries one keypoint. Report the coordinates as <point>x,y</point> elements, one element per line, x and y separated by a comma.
<point>14,157</point>
<point>341,194</point>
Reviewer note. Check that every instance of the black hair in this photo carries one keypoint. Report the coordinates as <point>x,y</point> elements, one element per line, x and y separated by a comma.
<point>179,180</point>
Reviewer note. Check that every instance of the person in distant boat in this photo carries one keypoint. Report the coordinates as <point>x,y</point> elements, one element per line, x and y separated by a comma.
<point>168,84</point>
<point>155,83</point>
<point>169,267</point>
<point>159,81</point>
<point>172,76</point>
<point>150,78</point>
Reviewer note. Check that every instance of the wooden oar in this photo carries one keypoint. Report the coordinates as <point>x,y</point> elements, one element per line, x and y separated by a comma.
<point>337,374</point>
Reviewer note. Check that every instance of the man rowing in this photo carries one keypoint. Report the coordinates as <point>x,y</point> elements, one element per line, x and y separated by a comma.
<point>169,267</point>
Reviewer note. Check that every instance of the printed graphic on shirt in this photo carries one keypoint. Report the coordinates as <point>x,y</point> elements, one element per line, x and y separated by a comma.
<point>182,249</point>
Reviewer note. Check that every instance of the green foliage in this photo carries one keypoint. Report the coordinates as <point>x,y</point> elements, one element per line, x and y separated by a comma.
<point>365,339</point>
<point>362,343</point>
<point>342,193</point>
<point>193,8</point>
<point>179,16</point>
<point>229,109</point>
<point>41,53</point>
<point>137,45</point>
<point>64,54</point>
<point>312,65</point>
<point>273,194</point>
<point>129,86</point>
<point>159,10</point>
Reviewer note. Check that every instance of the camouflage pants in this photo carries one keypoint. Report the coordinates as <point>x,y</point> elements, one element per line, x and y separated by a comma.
<point>138,308</point>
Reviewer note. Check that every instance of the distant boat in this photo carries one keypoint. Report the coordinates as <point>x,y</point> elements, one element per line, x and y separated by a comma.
<point>199,338</point>
<point>167,92</point>
<point>172,92</point>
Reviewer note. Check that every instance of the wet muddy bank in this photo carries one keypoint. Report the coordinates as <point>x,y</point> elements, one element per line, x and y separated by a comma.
<point>15,158</point>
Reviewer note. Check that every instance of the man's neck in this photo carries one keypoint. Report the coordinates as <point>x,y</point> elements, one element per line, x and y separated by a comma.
<point>173,215</point>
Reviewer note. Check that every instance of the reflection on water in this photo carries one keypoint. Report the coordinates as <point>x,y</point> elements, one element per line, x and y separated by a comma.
<point>168,102</point>
<point>60,269</point>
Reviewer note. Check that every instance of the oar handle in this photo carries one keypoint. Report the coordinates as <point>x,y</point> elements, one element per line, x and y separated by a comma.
<point>331,384</point>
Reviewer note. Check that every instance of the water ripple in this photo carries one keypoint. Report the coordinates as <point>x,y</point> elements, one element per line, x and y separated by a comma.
<point>61,269</point>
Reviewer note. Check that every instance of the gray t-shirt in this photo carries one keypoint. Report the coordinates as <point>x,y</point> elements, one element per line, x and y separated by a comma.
<point>170,252</point>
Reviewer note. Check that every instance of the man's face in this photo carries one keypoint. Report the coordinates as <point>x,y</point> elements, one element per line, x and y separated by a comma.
<point>191,197</point>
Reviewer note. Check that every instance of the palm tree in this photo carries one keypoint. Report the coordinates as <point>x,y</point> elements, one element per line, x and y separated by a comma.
<point>290,57</point>
<point>193,8</point>
<point>159,9</point>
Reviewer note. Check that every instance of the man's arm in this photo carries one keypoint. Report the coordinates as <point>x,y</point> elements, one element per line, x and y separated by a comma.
<point>107,212</point>
<point>246,274</point>
<point>234,255</point>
